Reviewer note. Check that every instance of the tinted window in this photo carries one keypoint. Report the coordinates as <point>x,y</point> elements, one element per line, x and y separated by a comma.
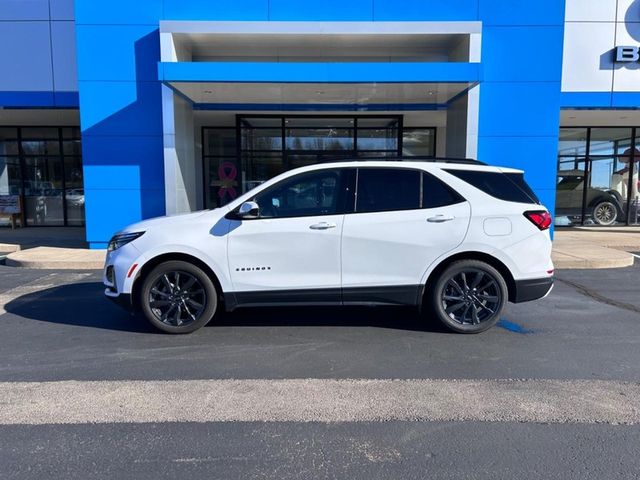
<point>436,194</point>
<point>384,189</point>
<point>315,193</point>
<point>511,187</point>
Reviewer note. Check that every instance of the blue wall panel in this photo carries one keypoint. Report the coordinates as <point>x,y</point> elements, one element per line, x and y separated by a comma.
<point>124,162</point>
<point>321,10</point>
<point>120,113</point>
<point>522,12</point>
<point>118,52</point>
<point>128,206</point>
<point>425,10</point>
<point>62,9</point>
<point>246,10</point>
<point>118,12</point>
<point>24,10</point>
<point>26,54</point>
<point>528,54</point>
<point>63,51</point>
<point>519,109</point>
<point>120,108</point>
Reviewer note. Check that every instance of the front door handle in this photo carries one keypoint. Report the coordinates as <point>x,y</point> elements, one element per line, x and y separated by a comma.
<point>322,226</point>
<point>440,219</point>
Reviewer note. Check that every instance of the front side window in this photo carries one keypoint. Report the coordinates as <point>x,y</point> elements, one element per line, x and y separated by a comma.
<point>309,194</point>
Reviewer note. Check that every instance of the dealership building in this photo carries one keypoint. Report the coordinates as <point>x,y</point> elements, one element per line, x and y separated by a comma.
<point>113,112</point>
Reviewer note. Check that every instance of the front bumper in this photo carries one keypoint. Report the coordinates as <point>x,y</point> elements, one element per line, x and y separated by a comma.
<point>123,300</point>
<point>532,289</point>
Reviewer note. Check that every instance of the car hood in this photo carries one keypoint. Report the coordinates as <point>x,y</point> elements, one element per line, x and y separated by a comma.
<point>169,220</point>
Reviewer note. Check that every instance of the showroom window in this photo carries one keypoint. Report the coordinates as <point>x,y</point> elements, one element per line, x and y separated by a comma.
<point>43,166</point>
<point>597,178</point>
<point>263,146</point>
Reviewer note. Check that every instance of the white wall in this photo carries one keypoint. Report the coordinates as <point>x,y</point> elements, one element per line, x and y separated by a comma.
<point>182,171</point>
<point>592,29</point>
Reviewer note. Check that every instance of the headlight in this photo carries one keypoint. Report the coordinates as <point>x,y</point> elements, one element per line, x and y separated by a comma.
<point>119,240</point>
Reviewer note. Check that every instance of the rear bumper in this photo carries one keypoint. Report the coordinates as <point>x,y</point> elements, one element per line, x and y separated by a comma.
<point>532,289</point>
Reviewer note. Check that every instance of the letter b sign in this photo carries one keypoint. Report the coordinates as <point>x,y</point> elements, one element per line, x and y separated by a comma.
<point>627,54</point>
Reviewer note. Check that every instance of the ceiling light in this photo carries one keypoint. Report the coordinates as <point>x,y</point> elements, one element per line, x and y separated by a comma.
<point>208,91</point>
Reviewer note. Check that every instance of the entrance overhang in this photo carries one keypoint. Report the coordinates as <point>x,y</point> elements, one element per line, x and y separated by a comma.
<point>346,64</point>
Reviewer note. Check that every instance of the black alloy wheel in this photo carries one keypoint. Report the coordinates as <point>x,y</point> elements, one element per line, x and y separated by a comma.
<point>178,297</point>
<point>469,296</point>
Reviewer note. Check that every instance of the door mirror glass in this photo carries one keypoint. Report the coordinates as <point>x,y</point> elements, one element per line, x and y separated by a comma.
<point>249,210</point>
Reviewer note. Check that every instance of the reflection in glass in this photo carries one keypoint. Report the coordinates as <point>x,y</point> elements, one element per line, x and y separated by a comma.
<point>572,141</point>
<point>605,197</point>
<point>261,139</point>
<point>258,167</point>
<point>10,181</point>
<point>219,141</point>
<point>609,141</point>
<point>8,141</point>
<point>569,191</point>
<point>319,139</point>
<point>419,141</point>
<point>377,138</point>
<point>43,191</point>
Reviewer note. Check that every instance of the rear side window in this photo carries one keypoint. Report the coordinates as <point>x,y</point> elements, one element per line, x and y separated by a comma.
<point>387,189</point>
<point>436,194</point>
<point>510,187</point>
<point>384,189</point>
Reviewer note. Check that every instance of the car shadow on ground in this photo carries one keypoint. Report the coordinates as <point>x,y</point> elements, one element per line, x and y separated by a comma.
<point>83,304</point>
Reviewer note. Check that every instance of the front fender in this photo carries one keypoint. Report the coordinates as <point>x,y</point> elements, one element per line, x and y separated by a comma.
<point>218,268</point>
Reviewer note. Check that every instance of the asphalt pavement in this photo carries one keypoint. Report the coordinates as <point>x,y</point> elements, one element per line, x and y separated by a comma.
<point>63,344</point>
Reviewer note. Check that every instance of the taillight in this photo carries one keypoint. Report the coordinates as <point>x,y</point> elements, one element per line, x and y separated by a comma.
<point>540,218</point>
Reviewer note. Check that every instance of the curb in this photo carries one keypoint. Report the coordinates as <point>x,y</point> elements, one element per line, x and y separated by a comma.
<point>9,247</point>
<point>53,258</point>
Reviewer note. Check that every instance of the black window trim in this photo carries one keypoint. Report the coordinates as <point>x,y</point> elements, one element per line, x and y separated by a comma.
<point>350,202</point>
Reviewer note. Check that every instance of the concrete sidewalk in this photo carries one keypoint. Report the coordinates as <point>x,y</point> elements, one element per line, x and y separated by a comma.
<point>595,247</point>
<point>583,247</point>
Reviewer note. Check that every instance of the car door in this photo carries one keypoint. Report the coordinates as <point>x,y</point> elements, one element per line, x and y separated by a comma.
<point>404,220</point>
<point>291,252</point>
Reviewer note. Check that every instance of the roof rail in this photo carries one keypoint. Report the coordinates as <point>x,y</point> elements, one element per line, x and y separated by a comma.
<point>405,158</point>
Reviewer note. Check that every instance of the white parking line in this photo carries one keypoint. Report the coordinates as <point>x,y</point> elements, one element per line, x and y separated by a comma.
<point>305,400</point>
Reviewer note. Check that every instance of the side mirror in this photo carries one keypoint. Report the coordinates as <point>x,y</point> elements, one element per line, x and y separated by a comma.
<point>249,210</point>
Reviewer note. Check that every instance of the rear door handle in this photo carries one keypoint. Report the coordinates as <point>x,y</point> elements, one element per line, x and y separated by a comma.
<point>440,218</point>
<point>322,226</point>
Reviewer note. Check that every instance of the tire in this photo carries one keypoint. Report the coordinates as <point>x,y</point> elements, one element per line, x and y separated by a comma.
<point>605,213</point>
<point>455,303</point>
<point>185,309</point>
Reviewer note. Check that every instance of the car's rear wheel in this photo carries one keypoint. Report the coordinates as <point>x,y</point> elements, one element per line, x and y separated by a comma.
<point>469,296</point>
<point>178,297</point>
<point>605,213</point>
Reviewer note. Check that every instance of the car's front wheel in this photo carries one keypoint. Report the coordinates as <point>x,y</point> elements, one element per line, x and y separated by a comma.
<point>605,213</point>
<point>178,297</point>
<point>469,296</point>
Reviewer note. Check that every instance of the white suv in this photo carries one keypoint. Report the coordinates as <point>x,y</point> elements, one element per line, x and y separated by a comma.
<point>457,237</point>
